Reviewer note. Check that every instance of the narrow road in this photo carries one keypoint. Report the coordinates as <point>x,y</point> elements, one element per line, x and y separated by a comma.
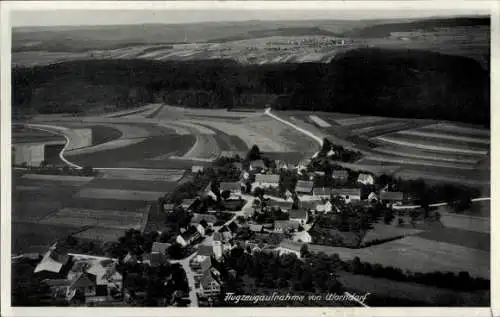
<point>190,277</point>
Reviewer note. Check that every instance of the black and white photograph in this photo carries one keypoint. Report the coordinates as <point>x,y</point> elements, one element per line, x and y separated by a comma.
<point>234,155</point>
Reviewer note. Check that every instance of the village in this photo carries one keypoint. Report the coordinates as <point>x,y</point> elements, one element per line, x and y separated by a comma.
<point>254,204</point>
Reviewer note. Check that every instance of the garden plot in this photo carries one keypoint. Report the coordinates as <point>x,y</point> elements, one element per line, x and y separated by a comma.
<point>101,218</point>
<point>119,194</point>
<point>100,234</point>
<point>419,255</point>
<point>156,175</point>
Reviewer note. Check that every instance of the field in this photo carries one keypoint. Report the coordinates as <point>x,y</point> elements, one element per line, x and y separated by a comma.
<point>410,291</point>
<point>412,148</point>
<point>419,255</point>
<point>47,208</point>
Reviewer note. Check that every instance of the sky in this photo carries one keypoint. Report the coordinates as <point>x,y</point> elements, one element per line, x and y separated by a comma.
<point>40,17</point>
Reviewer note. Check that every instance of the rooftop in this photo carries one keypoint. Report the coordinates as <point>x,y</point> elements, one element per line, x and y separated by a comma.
<point>267,178</point>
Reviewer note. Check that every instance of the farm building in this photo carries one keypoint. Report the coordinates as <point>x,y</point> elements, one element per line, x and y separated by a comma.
<point>304,187</point>
<point>366,179</point>
<point>289,246</point>
<point>209,286</point>
<point>257,165</point>
<point>285,225</point>
<point>188,236</point>
<point>197,218</point>
<point>326,207</point>
<point>347,193</point>
<point>322,192</point>
<point>302,165</point>
<point>298,215</point>
<point>255,227</point>
<point>391,196</point>
<point>302,237</point>
<point>168,208</point>
<point>283,205</point>
<point>55,262</point>
<point>32,154</point>
<point>188,204</point>
<point>233,187</point>
<point>340,175</point>
<point>160,247</point>
<point>200,263</point>
<point>205,250</point>
<point>267,180</point>
<point>197,169</point>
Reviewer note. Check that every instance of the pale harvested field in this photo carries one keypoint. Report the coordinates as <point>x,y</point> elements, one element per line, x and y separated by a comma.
<point>119,194</point>
<point>61,178</point>
<point>419,255</point>
<point>205,147</point>
<point>248,135</point>
<point>78,138</point>
<point>320,122</point>
<point>445,135</point>
<point>169,111</point>
<point>428,155</point>
<point>382,128</point>
<point>143,175</point>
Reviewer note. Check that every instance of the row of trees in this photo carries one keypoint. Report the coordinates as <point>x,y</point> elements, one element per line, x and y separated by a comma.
<point>447,87</point>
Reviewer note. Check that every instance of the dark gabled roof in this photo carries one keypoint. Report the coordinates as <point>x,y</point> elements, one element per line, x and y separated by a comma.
<point>258,163</point>
<point>207,217</point>
<point>297,213</point>
<point>83,279</point>
<point>190,232</point>
<point>207,279</point>
<point>205,250</point>
<point>231,186</point>
<point>233,226</point>
<point>304,186</point>
<point>159,247</point>
<point>323,191</point>
<point>391,195</point>
<point>340,174</point>
<point>346,191</point>
<point>287,205</point>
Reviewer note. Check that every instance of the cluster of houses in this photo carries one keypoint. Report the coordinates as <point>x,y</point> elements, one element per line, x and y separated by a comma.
<point>92,279</point>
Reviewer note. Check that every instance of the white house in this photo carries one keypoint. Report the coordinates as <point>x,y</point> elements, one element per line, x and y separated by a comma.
<point>302,237</point>
<point>365,179</point>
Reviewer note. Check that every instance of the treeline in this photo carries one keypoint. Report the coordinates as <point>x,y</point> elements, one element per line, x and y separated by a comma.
<point>394,83</point>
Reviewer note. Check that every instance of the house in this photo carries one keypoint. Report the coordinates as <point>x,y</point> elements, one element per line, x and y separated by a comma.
<point>322,192</point>
<point>160,247</point>
<point>302,165</point>
<point>289,246</point>
<point>257,165</point>
<point>348,194</point>
<point>237,165</point>
<point>200,264</point>
<point>282,165</point>
<point>209,285</point>
<point>106,276</point>
<point>267,180</point>
<point>205,250</point>
<point>391,197</point>
<point>302,237</point>
<point>200,229</point>
<point>304,187</point>
<point>255,228</point>
<point>288,195</point>
<point>197,169</point>
<point>55,262</point>
<point>298,215</point>
<point>372,197</point>
<point>130,258</point>
<point>365,179</point>
<point>168,208</point>
<point>233,187</point>
<point>340,175</point>
<point>190,204</point>
<point>326,207</point>
<point>226,233</point>
<point>209,218</point>
<point>189,236</point>
<point>283,205</point>
<point>285,225</point>
<point>319,173</point>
